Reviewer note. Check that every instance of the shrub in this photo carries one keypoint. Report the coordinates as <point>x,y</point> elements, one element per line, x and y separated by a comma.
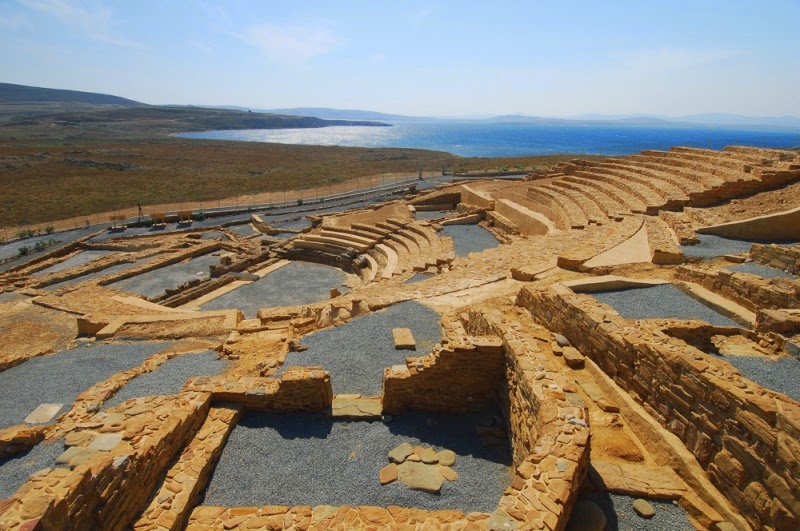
<point>49,229</point>
<point>200,216</point>
<point>40,245</point>
<point>23,250</point>
<point>299,202</point>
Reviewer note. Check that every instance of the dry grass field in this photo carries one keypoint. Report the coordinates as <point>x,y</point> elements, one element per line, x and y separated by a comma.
<point>55,166</point>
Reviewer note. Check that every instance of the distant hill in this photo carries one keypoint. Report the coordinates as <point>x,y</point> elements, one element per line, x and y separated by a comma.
<point>10,93</point>
<point>343,114</point>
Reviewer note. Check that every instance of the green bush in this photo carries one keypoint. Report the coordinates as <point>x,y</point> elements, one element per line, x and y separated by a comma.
<point>200,216</point>
<point>49,229</point>
<point>40,245</point>
<point>23,250</point>
<point>299,202</point>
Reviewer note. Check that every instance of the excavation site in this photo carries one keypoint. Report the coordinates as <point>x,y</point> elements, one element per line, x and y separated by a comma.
<point>608,343</point>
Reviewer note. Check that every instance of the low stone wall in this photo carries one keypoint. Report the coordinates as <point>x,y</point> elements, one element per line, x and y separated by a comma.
<point>662,247</point>
<point>783,257</point>
<point>744,435</point>
<point>471,196</point>
<point>529,222</point>
<point>110,487</point>
<point>681,225</point>
<point>501,223</point>
<point>298,389</point>
<point>454,379</point>
<point>19,438</point>
<point>751,291</point>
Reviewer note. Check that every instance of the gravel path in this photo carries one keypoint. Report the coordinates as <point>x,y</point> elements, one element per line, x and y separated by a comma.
<point>356,352</point>
<point>10,296</point>
<point>431,214</point>
<point>14,470</point>
<point>711,246</point>
<point>59,378</point>
<point>782,376</point>
<point>620,515</point>
<point>307,459</point>
<point>660,302</point>
<point>760,270</point>
<point>297,224</point>
<point>293,284</point>
<point>97,274</point>
<point>418,277</point>
<point>470,238</point>
<point>243,230</point>
<point>156,282</point>
<point>81,258</point>
<point>169,378</point>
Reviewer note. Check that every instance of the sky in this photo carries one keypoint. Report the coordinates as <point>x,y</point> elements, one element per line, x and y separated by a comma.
<point>425,58</point>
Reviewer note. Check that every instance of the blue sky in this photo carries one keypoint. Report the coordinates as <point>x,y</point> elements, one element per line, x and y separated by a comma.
<point>440,58</point>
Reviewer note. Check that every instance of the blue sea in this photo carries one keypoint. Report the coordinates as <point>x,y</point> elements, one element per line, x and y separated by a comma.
<point>482,139</point>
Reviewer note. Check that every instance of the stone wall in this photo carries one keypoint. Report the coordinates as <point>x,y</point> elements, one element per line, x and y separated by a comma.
<point>744,435</point>
<point>471,196</point>
<point>751,291</point>
<point>110,487</point>
<point>783,257</point>
<point>456,378</point>
<point>298,389</point>
<point>681,225</point>
<point>662,246</point>
<point>529,222</point>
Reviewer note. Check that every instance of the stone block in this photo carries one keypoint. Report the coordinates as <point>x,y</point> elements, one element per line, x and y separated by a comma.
<point>403,339</point>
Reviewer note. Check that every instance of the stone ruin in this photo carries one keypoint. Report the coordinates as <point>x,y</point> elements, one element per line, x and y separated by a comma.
<point>585,401</point>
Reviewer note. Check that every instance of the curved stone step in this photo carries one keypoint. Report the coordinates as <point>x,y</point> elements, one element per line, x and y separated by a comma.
<point>608,204</point>
<point>589,208</point>
<point>611,189</point>
<point>571,214</point>
<point>653,193</point>
<point>391,260</point>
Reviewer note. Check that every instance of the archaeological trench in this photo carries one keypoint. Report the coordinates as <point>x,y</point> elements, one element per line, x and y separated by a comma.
<point>605,344</point>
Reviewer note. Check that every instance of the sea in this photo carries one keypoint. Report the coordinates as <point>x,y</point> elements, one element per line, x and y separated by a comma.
<point>482,139</point>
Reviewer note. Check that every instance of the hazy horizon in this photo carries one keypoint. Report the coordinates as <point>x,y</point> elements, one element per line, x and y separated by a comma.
<point>444,59</point>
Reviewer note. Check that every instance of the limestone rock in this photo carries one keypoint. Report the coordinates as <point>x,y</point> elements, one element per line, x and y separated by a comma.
<point>573,358</point>
<point>447,457</point>
<point>419,476</point>
<point>388,474</point>
<point>586,516</point>
<point>403,339</point>
<point>607,406</point>
<point>401,453</point>
<point>43,413</point>
<point>429,457</point>
<point>643,508</point>
<point>447,473</point>
<point>562,341</point>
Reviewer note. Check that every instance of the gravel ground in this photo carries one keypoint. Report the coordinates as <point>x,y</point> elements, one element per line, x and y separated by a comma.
<point>620,515</point>
<point>431,214</point>
<point>297,224</point>
<point>212,234</point>
<point>356,352</point>
<point>243,230</point>
<point>97,274</point>
<point>81,258</point>
<point>419,277</point>
<point>782,376</point>
<point>291,285</point>
<point>307,459</point>
<point>760,270</point>
<point>59,378</point>
<point>14,470</point>
<point>470,238</point>
<point>712,246</point>
<point>156,282</point>
<point>169,378</point>
<point>10,296</point>
<point>660,302</point>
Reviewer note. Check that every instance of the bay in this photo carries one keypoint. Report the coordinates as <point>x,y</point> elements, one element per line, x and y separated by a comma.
<point>482,139</point>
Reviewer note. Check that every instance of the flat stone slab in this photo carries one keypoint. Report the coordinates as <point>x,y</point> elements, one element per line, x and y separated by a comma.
<point>643,509</point>
<point>586,516</point>
<point>591,390</point>
<point>419,476</point>
<point>573,358</point>
<point>43,413</point>
<point>355,407</point>
<point>105,442</point>
<point>401,453</point>
<point>403,339</point>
